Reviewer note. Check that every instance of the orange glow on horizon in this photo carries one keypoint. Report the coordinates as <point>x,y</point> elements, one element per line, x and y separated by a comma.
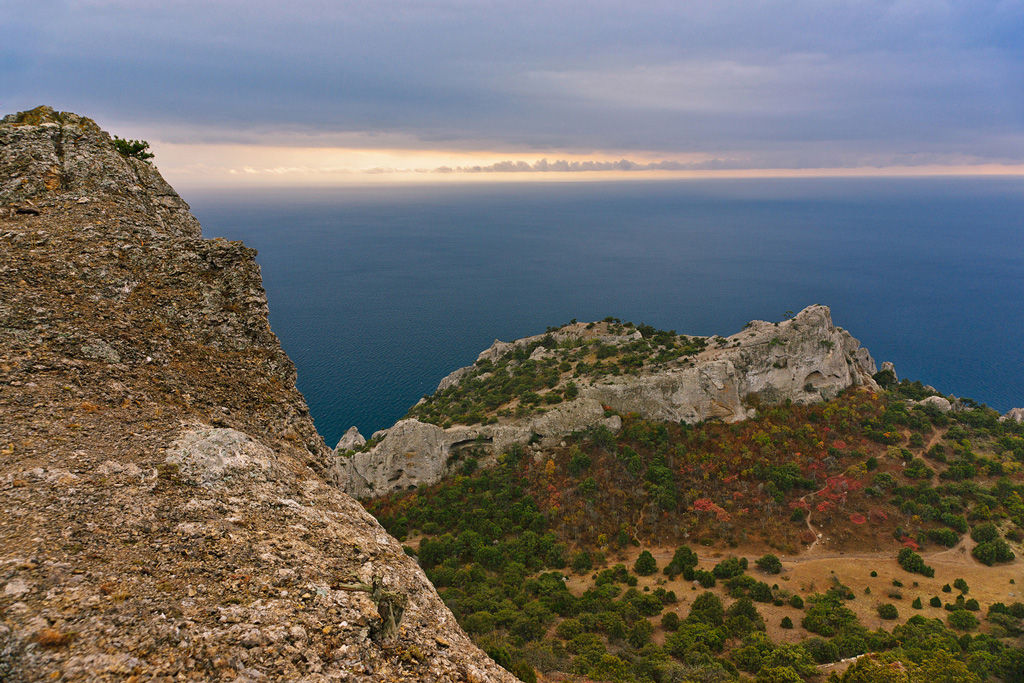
<point>197,165</point>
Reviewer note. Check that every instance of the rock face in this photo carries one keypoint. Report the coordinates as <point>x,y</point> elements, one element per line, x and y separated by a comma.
<point>166,513</point>
<point>805,359</point>
<point>413,452</point>
<point>44,152</point>
<point>350,440</point>
<point>939,402</point>
<point>1015,414</point>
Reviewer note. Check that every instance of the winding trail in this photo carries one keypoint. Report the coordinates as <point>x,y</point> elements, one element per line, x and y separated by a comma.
<point>807,520</point>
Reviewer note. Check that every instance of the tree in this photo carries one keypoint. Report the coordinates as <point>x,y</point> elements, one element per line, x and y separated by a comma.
<point>872,669</point>
<point>793,656</point>
<point>827,615</point>
<point>912,562</point>
<point>993,551</point>
<point>645,565</point>
<point>640,634</point>
<point>727,568</point>
<point>670,621</point>
<point>769,564</point>
<point>888,611</point>
<point>581,562</point>
<point>984,532</point>
<point>939,666</point>
<point>682,559</point>
<point>134,149</point>
<point>778,674</point>
<point>707,608</point>
<point>962,620</point>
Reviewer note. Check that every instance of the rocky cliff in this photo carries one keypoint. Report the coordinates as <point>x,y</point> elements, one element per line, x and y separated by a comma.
<point>581,375</point>
<point>165,510</point>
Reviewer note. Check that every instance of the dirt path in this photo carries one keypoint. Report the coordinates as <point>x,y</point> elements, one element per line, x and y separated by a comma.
<point>807,520</point>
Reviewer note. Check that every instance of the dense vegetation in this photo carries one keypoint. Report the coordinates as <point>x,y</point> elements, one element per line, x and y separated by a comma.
<point>531,555</point>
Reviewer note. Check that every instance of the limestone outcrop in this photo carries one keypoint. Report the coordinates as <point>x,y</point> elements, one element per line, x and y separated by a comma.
<point>939,402</point>
<point>1015,414</point>
<point>166,509</point>
<point>350,440</point>
<point>43,152</point>
<point>412,452</point>
<point>804,359</point>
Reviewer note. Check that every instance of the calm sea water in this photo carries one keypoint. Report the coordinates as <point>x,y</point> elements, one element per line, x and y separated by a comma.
<point>377,293</point>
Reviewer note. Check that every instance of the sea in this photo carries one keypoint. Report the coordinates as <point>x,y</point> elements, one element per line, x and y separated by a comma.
<point>378,292</point>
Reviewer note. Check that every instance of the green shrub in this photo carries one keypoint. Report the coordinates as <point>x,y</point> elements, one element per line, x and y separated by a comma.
<point>645,565</point>
<point>984,533</point>
<point>912,562</point>
<point>917,603</point>
<point>778,674</point>
<point>578,463</point>
<point>134,149</point>
<point>961,586</point>
<point>888,611</point>
<point>707,608</point>
<point>935,602</point>
<point>786,622</point>
<point>727,568</point>
<point>822,651</point>
<point>569,629</point>
<point>682,559</point>
<point>827,615</point>
<point>706,579</point>
<point>769,564</point>
<point>670,621</point>
<point>581,562</point>
<point>992,552</point>
<point>946,537</point>
<point>962,620</point>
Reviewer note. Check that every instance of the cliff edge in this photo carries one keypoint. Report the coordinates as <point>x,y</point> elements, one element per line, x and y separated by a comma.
<point>166,515</point>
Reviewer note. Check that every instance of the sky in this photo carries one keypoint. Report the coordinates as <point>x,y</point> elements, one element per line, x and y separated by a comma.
<point>333,91</point>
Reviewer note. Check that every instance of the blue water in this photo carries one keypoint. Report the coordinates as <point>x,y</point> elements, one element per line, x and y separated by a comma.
<point>377,293</point>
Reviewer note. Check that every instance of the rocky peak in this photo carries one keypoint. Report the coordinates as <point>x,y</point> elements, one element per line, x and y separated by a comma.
<point>579,376</point>
<point>46,155</point>
<point>165,510</point>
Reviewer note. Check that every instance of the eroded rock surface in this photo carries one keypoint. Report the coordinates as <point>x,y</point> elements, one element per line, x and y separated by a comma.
<point>165,511</point>
<point>1015,414</point>
<point>805,359</point>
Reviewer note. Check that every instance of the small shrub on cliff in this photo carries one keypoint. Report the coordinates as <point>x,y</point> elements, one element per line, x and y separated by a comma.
<point>134,149</point>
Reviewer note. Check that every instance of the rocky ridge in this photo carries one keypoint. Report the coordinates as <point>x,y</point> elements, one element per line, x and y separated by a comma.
<point>666,377</point>
<point>167,511</point>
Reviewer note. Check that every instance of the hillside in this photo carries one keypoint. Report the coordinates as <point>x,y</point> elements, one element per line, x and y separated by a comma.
<point>588,555</point>
<point>540,389</point>
<point>167,513</point>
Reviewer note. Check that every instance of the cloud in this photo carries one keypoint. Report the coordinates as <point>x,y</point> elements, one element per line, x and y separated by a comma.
<point>772,82</point>
<point>566,166</point>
